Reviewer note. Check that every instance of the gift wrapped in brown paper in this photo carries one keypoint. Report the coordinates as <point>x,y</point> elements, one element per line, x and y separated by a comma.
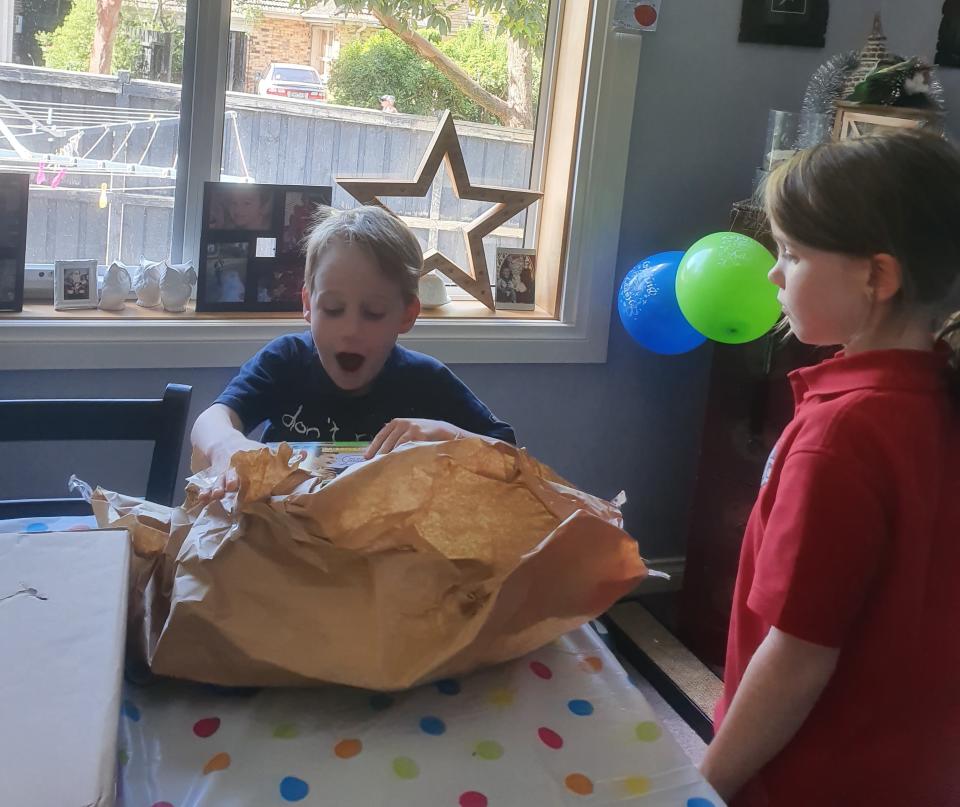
<point>429,562</point>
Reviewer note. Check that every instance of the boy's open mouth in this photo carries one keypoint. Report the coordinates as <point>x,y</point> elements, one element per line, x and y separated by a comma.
<point>350,362</point>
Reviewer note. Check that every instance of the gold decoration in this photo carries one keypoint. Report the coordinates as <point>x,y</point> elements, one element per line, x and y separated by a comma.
<point>507,202</point>
<point>874,54</point>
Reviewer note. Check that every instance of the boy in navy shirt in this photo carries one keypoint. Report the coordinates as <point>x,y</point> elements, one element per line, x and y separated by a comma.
<point>347,378</point>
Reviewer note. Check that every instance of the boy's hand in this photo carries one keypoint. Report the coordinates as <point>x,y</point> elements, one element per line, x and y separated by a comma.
<point>409,430</point>
<point>226,477</point>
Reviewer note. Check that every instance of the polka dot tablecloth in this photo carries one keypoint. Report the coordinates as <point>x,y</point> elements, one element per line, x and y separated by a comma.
<point>50,524</point>
<point>563,726</point>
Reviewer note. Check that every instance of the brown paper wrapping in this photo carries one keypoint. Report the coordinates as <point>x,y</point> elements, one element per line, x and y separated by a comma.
<point>431,561</point>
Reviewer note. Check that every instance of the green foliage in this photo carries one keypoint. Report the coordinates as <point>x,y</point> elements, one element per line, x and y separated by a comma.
<point>525,20</point>
<point>383,65</point>
<point>70,45</point>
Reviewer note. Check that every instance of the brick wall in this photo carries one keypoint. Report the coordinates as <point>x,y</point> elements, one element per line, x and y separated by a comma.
<point>276,40</point>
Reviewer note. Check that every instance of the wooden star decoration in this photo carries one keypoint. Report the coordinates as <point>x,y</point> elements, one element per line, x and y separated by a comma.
<point>507,202</point>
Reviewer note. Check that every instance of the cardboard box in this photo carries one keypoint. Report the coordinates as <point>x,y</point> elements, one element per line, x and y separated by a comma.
<point>63,606</point>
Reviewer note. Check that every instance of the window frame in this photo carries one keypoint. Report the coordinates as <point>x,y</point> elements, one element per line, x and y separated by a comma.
<point>586,251</point>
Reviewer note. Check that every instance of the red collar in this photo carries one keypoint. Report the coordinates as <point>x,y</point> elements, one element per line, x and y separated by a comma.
<point>917,370</point>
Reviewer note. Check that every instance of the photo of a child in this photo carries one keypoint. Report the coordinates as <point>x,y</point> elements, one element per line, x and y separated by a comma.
<point>226,272</point>
<point>234,206</point>
<point>76,285</point>
<point>251,245</point>
<point>280,283</point>
<point>516,270</point>
<point>299,209</point>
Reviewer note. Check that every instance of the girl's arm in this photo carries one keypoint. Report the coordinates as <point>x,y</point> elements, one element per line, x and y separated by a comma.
<point>781,684</point>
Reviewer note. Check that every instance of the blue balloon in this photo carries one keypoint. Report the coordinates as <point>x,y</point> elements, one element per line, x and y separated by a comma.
<point>649,310</point>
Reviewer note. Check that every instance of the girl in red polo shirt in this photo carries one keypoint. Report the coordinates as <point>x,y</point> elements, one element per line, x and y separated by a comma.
<point>842,681</point>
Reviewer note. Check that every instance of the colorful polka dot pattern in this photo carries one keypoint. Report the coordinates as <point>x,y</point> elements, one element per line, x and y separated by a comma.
<point>636,785</point>
<point>448,687</point>
<point>541,670</point>
<point>414,767</point>
<point>406,768</point>
<point>550,738</point>
<point>348,749</point>
<point>580,708</point>
<point>206,727</point>
<point>218,762</point>
<point>293,789</point>
<point>286,731</point>
<point>130,710</point>
<point>488,749</point>
<point>579,784</point>
<point>433,726</point>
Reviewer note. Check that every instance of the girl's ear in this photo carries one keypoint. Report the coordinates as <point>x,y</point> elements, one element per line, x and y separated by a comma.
<point>886,277</point>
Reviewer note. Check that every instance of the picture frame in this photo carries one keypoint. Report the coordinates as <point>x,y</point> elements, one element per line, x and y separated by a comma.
<point>74,284</point>
<point>948,36</point>
<point>251,245</point>
<point>856,120</point>
<point>785,22</point>
<point>516,273</point>
<point>14,197</point>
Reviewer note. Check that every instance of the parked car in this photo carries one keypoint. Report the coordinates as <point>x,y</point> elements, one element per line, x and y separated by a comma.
<point>293,81</point>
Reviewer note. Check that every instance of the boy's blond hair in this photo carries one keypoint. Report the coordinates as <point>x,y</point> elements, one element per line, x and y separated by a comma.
<point>392,244</point>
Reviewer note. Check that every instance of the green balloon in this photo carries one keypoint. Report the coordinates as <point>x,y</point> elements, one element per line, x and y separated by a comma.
<point>723,289</point>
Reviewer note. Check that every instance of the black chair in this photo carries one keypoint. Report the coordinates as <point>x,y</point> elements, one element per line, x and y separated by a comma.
<point>161,421</point>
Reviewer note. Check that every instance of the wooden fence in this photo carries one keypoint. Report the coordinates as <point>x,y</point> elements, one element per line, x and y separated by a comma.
<point>265,139</point>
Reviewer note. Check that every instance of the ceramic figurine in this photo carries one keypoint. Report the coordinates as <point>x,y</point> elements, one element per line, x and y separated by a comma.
<point>176,284</point>
<point>147,284</point>
<point>116,287</point>
<point>433,292</point>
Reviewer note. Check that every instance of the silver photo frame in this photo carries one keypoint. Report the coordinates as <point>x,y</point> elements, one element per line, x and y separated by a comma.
<point>515,280</point>
<point>74,285</point>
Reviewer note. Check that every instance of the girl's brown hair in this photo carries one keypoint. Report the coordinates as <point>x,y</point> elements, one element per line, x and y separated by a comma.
<point>897,194</point>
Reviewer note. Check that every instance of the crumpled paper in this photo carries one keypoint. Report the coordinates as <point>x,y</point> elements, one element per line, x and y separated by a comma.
<point>429,562</point>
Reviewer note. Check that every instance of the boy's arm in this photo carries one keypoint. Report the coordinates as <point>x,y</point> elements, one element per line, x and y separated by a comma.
<point>216,436</point>
<point>782,682</point>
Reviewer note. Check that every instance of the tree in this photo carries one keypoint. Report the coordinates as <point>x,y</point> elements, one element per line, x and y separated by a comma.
<point>108,17</point>
<point>383,65</point>
<point>524,22</point>
<point>69,46</point>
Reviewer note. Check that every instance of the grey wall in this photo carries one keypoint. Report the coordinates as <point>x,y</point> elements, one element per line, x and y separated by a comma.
<point>633,423</point>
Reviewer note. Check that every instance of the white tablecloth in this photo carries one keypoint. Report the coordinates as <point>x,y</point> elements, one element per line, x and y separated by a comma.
<point>563,726</point>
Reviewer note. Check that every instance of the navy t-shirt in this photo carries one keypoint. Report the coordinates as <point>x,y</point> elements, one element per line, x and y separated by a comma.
<point>286,386</point>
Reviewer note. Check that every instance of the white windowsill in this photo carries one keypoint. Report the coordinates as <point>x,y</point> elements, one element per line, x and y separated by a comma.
<point>92,344</point>
<point>579,337</point>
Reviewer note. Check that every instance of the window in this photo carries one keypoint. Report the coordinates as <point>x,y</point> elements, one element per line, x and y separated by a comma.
<point>302,75</point>
<point>576,152</point>
<point>312,139</point>
<point>100,149</point>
